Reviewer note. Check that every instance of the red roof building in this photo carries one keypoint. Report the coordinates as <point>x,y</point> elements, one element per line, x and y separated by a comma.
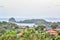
<point>52,32</point>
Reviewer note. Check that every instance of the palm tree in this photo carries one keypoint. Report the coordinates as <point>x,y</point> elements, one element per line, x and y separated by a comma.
<point>40,27</point>
<point>54,25</point>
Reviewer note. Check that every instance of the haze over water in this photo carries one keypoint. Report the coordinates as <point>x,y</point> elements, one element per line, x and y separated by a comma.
<point>37,9</point>
<point>21,19</point>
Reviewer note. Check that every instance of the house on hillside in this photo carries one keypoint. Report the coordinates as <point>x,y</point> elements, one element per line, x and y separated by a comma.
<point>53,32</point>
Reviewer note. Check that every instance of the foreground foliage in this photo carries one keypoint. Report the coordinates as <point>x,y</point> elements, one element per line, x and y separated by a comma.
<point>8,32</point>
<point>28,35</point>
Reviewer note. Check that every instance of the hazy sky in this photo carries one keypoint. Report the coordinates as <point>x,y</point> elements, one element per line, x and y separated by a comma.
<point>30,8</point>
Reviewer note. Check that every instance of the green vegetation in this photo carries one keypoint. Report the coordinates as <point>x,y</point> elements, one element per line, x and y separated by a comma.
<point>54,25</point>
<point>28,35</point>
<point>8,32</point>
<point>40,27</point>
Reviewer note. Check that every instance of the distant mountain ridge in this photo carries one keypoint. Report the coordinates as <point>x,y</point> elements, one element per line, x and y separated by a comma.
<point>33,21</point>
<point>7,19</point>
<point>21,19</point>
<point>53,19</point>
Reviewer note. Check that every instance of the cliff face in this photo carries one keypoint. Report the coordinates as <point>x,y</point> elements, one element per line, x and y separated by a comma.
<point>12,20</point>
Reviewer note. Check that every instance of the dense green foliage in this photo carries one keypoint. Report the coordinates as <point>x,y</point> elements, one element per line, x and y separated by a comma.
<point>28,35</point>
<point>25,34</point>
<point>40,27</point>
<point>54,25</point>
